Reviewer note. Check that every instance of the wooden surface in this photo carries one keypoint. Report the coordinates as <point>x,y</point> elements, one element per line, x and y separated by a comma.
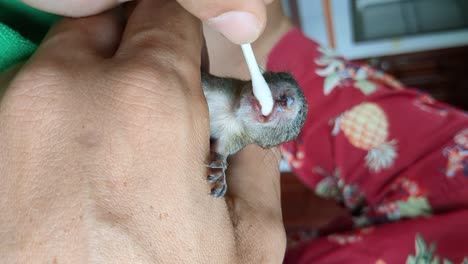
<point>302,208</point>
<point>327,12</point>
<point>295,18</point>
<point>443,73</point>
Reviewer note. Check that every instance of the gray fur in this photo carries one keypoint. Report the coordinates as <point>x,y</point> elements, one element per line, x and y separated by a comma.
<point>235,121</point>
<point>266,134</point>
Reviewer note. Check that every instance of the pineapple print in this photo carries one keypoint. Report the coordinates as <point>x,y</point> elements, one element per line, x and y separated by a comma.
<point>294,155</point>
<point>462,139</point>
<point>426,254</point>
<point>366,128</point>
<point>336,71</point>
<point>457,156</point>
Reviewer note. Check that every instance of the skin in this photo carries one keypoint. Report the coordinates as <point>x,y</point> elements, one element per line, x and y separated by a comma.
<point>221,50</point>
<point>239,30</point>
<point>104,143</point>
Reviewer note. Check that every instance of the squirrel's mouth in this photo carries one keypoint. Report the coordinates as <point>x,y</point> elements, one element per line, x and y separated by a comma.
<point>282,104</point>
<point>257,109</point>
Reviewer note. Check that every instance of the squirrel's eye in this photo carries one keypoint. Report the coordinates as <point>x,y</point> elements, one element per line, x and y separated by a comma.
<point>286,101</point>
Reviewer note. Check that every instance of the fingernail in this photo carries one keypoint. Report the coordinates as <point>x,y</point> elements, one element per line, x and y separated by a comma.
<point>237,26</point>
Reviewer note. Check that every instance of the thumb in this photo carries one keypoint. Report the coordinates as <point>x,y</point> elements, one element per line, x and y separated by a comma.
<point>240,21</point>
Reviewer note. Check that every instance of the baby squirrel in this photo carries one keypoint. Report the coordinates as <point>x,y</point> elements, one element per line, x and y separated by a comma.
<point>236,119</point>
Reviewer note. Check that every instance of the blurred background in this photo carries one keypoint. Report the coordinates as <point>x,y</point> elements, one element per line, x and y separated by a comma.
<point>423,43</point>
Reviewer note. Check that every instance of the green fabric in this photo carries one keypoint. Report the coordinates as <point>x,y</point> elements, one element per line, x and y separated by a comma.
<point>21,30</point>
<point>13,47</point>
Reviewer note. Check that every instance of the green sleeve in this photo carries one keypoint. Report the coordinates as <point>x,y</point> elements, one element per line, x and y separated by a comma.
<point>21,30</point>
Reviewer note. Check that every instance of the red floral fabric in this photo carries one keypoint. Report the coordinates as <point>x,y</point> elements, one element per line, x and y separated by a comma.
<point>395,157</point>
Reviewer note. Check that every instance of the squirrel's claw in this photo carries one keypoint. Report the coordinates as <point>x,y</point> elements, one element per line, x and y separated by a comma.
<point>218,177</point>
<point>215,177</point>
<point>220,188</point>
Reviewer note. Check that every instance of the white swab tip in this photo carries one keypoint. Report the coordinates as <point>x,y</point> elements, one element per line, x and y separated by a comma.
<point>267,107</point>
<point>259,85</point>
<point>263,94</point>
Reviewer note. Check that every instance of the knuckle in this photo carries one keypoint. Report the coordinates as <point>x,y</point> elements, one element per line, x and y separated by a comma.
<point>79,28</point>
<point>155,45</point>
<point>148,80</point>
<point>158,78</point>
<point>141,92</point>
<point>46,70</point>
<point>39,80</point>
<point>41,92</point>
<point>38,107</point>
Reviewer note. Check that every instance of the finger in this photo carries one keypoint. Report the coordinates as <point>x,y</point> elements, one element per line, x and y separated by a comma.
<point>74,8</point>
<point>161,34</point>
<point>240,21</point>
<point>80,39</point>
<point>254,177</point>
<point>254,200</point>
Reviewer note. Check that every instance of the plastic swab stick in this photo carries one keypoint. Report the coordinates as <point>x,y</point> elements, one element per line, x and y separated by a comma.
<point>260,87</point>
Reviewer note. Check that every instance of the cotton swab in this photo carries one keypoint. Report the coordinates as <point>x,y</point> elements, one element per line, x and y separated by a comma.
<point>260,87</point>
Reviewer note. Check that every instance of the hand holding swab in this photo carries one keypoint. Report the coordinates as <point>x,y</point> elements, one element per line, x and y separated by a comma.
<point>259,86</point>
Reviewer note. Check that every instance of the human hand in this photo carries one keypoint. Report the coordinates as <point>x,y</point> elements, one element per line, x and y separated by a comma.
<point>105,137</point>
<point>240,21</point>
